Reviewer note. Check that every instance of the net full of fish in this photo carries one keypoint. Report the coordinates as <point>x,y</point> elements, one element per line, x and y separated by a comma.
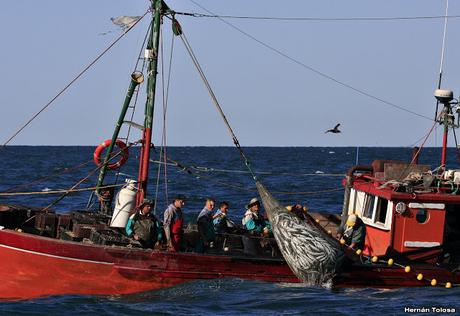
<point>313,255</point>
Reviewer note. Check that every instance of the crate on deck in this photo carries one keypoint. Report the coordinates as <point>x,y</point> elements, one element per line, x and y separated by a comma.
<point>46,224</point>
<point>68,235</point>
<point>92,218</point>
<point>84,230</point>
<point>111,237</point>
<point>64,223</point>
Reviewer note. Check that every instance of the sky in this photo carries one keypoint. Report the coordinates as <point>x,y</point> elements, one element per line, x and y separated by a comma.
<point>263,77</point>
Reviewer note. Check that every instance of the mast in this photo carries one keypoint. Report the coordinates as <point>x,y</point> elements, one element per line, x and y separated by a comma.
<point>151,54</point>
<point>447,119</point>
<point>136,79</point>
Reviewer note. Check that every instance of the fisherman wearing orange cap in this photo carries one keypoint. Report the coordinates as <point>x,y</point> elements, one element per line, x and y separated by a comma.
<point>352,231</point>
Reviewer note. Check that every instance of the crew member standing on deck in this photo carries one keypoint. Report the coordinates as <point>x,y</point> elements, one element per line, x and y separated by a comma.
<point>353,232</point>
<point>143,226</point>
<point>205,226</point>
<point>173,220</point>
<point>253,221</point>
<point>220,220</point>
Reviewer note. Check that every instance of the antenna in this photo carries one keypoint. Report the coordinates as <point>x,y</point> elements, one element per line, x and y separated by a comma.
<point>441,64</point>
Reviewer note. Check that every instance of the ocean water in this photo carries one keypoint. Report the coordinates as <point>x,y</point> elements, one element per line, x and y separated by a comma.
<point>307,175</point>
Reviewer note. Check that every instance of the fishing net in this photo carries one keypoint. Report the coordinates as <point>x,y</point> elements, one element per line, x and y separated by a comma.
<point>312,254</point>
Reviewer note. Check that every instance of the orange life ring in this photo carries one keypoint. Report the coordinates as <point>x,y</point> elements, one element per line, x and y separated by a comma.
<point>112,166</point>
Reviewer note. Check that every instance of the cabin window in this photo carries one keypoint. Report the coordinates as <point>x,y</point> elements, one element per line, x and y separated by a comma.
<point>422,216</point>
<point>357,201</point>
<point>373,210</point>
<point>369,207</point>
<point>377,212</point>
<point>381,211</point>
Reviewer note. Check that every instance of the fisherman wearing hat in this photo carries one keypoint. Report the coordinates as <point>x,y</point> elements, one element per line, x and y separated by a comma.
<point>353,232</point>
<point>252,220</point>
<point>143,226</point>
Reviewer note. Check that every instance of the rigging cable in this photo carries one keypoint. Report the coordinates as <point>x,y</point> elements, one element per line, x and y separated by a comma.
<point>456,145</point>
<point>198,175</point>
<point>443,47</point>
<point>322,74</point>
<point>165,110</point>
<point>73,80</point>
<point>216,103</point>
<point>165,91</point>
<point>136,68</point>
<point>267,173</point>
<point>136,95</point>
<point>157,186</point>
<point>417,153</point>
<point>85,178</point>
<point>67,191</point>
<point>56,174</point>
<point>316,19</point>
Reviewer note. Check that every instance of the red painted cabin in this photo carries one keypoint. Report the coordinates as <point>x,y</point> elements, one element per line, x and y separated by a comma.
<point>407,212</point>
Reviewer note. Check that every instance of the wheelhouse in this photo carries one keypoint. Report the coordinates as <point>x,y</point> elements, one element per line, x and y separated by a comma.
<point>406,210</point>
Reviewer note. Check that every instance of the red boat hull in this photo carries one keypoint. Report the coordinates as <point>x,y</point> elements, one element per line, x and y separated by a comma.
<point>33,266</point>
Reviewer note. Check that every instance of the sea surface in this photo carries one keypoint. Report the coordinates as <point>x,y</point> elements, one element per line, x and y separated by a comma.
<point>307,175</point>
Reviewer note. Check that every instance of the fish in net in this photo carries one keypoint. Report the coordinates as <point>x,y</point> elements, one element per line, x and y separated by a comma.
<point>313,255</point>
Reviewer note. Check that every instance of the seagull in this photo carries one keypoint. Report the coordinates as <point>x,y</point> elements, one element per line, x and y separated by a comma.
<point>335,130</point>
<point>124,21</point>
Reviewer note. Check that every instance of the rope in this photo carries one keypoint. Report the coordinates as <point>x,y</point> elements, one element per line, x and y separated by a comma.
<point>162,154</point>
<point>137,89</point>
<point>189,170</point>
<point>456,145</point>
<point>84,179</point>
<point>58,191</point>
<point>373,260</point>
<point>279,18</point>
<point>165,110</point>
<point>216,103</point>
<point>417,153</point>
<point>65,170</point>
<point>211,169</point>
<point>72,81</point>
<point>322,74</point>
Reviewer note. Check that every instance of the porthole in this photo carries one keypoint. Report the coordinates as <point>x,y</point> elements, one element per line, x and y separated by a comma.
<point>422,216</point>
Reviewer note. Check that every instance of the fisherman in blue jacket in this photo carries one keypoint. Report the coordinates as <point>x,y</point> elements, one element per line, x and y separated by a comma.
<point>253,221</point>
<point>222,224</point>
<point>143,226</point>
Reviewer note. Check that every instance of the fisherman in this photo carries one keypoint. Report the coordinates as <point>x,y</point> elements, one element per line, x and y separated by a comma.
<point>253,221</point>
<point>172,223</point>
<point>105,200</point>
<point>222,224</point>
<point>352,231</point>
<point>205,226</point>
<point>143,226</point>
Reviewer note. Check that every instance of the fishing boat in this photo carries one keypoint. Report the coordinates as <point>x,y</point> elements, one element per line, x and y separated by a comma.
<point>85,252</point>
<point>411,212</point>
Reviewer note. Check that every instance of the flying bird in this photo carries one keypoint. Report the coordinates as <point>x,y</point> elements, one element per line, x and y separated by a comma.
<point>125,22</point>
<point>335,130</point>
